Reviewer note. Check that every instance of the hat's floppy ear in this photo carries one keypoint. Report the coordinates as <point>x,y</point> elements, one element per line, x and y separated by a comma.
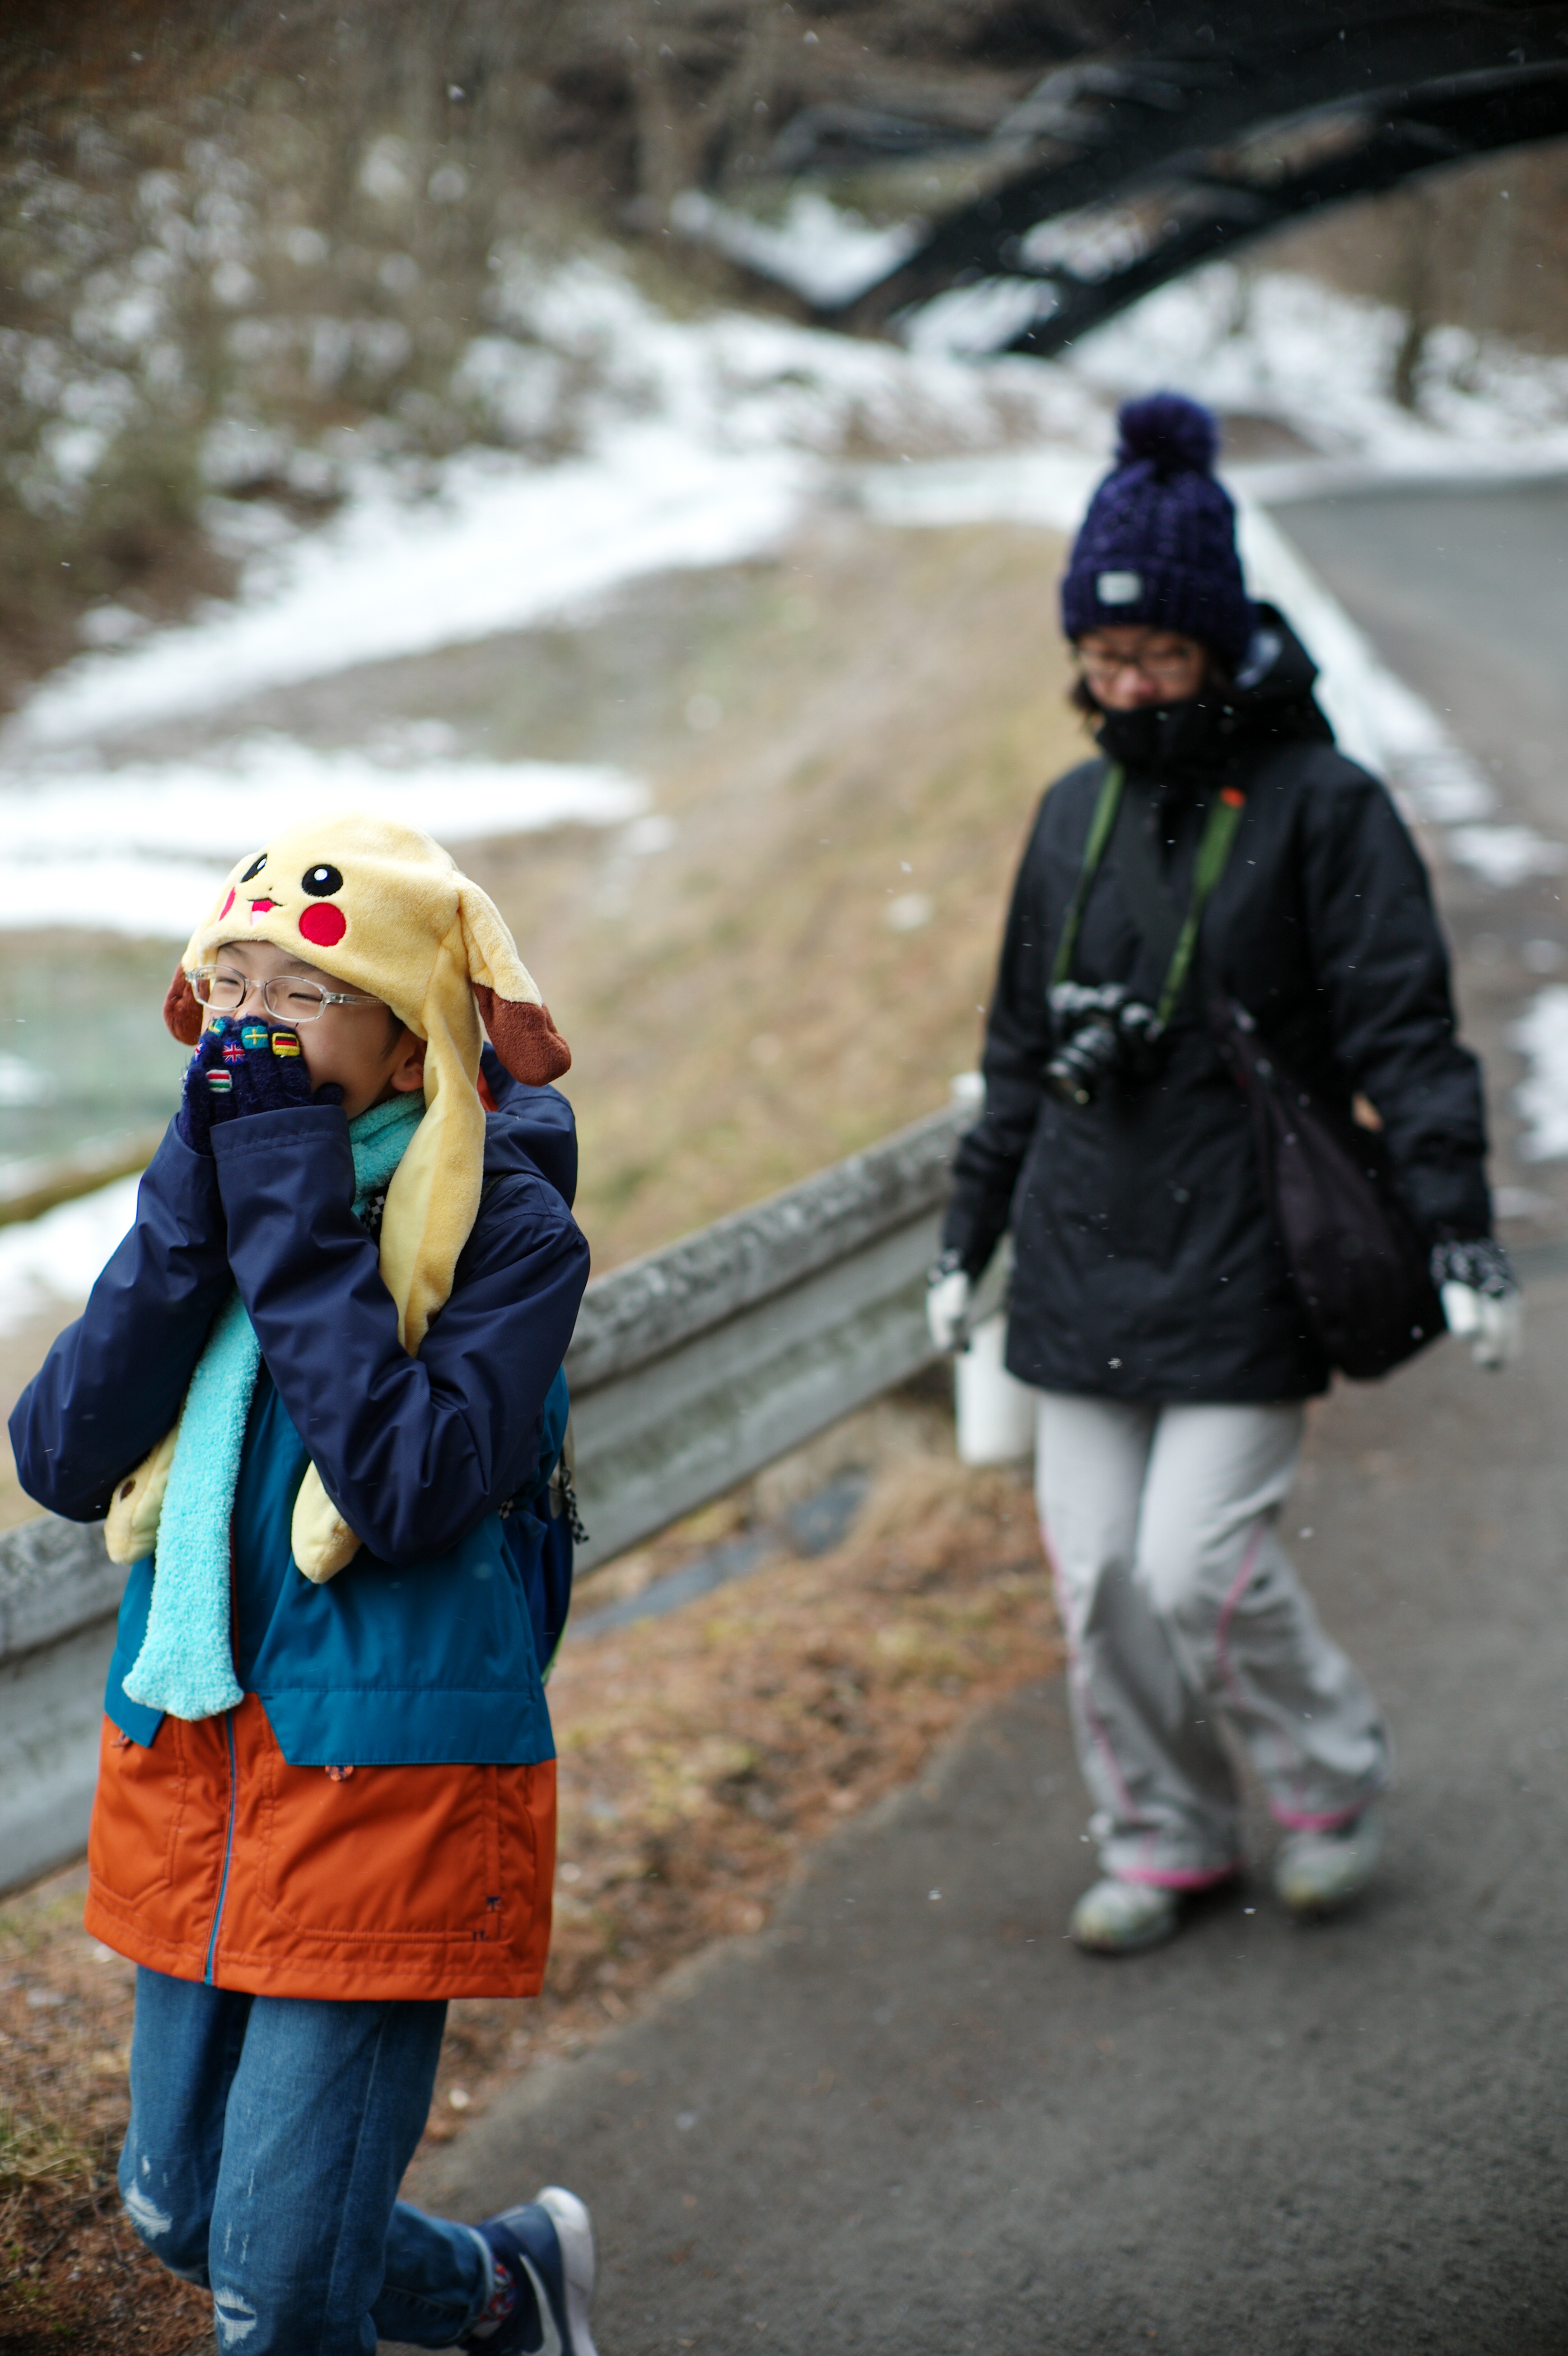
<point>182,1010</point>
<point>510,1006</point>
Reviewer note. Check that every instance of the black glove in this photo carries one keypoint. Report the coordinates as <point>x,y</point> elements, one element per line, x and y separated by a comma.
<point>243,1067</point>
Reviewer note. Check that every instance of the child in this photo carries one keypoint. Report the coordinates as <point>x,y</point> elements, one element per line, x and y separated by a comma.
<point>316,1392</point>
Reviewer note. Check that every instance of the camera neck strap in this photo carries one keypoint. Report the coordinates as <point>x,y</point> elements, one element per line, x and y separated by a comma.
<point>1214,851</point>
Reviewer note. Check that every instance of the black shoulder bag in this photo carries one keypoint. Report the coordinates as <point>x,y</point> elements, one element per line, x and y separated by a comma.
<point>1357,1264</point>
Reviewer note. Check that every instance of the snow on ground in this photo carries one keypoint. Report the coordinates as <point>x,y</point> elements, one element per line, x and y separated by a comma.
<point>502,546</point>
<point>1280,345</point>
<point>1263,343</point>
<point>703,441</point>
<point>827,253</point>
<point>1541,1037</point>
<point>1507,855</point>
<point>53,1261</point>
<point>140,847</point>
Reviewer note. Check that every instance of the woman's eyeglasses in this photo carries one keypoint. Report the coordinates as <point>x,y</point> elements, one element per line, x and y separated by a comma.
<point>289,996</point>
<point>1099,669</point>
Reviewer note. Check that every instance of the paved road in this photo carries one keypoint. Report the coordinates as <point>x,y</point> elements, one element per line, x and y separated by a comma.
<point>1466,594</point>
<point>923,2123</point>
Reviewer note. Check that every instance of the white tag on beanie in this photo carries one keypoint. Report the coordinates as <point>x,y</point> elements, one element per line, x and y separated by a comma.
<point>1119,588</point>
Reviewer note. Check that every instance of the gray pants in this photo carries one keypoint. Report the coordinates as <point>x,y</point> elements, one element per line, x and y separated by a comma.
<point>1180,1609</point>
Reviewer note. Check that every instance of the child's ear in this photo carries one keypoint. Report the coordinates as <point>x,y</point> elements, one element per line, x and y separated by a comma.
<point>409,1074</point>
<point>182,1010</point>
<point>509,1003</point>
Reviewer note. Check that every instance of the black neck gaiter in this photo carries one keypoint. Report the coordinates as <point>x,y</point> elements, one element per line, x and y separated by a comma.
<point>1170,740</point>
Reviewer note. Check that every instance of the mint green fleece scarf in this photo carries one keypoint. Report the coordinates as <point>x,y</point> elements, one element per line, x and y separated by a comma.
<point>186,1664</point>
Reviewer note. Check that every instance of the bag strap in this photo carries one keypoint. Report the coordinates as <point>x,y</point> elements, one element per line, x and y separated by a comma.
<point>1213,853</point>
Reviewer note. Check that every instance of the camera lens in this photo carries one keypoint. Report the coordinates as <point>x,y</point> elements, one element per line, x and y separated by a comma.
<point>1076,1072</point>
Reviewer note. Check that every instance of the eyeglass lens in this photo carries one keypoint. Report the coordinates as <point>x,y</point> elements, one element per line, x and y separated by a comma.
<point>290,999</point>
<point>1147,666</point>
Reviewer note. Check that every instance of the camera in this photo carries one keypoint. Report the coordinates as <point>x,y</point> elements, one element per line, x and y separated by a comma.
<point>1106,1033</point>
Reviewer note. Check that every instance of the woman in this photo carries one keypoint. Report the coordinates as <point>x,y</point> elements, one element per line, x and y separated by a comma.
<point>1151,1304</point>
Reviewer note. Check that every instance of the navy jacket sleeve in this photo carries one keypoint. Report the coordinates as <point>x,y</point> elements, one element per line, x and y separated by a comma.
<point>542,1119</point>
<point>1382,970</point>
<point>412,1451</point>
<point>114,1382</point>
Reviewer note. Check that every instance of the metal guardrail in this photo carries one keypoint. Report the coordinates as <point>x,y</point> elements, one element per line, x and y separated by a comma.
<point>690,1370</point>
<point>694,1366</point>
<point>59,1595</point>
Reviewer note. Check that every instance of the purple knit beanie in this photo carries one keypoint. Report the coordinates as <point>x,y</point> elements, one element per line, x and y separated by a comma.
<point>1159,544</point>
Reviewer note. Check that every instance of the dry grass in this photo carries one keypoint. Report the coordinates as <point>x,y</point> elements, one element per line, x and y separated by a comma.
<point>72,2275</point>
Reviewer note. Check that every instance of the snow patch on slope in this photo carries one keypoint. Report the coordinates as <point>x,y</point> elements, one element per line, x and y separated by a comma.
<point>702,442</point>
<point>825,251</point>
<point>1541,1098</point>
<point>1282,345</point>
<point>141,849</point>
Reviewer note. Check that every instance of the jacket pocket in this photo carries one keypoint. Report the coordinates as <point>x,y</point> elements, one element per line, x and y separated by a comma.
<point>400,1853</point>
<point>143,1794</point>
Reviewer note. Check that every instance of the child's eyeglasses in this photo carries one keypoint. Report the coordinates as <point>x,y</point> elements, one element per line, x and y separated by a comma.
<point>290,997</point>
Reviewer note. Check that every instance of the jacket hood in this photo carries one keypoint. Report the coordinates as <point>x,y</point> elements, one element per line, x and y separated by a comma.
<point>1272,689</point>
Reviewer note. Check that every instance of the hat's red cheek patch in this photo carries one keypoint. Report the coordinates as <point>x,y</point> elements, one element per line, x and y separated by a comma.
<point>227,905</point>
<point>322,925</point>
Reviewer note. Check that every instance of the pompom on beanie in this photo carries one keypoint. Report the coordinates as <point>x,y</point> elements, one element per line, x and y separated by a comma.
<point>1159,544</point>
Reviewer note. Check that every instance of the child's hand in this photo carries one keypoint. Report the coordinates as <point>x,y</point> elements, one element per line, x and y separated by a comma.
<point>194,1119</point>
<point>243,1067</point>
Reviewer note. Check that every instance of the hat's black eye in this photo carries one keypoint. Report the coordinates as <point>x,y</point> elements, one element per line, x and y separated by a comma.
<point>255,867</point>
<point>319,880</point>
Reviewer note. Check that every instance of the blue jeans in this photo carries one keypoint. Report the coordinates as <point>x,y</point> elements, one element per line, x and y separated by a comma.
<point>268,2137</point>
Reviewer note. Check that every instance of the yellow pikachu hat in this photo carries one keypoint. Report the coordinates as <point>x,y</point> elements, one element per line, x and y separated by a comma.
<point>383,909</point>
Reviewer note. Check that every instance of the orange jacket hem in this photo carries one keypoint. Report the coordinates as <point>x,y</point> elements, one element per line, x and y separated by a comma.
<point>411,1883</point>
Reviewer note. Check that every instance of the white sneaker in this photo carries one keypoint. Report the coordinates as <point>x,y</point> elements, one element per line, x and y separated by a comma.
<point>1119,1918</point>
<point>1316,1873</point>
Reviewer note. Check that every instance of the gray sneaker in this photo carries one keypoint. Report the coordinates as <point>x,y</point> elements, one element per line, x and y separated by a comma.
<point>1316,1873</point>
<point>1120,1918</point>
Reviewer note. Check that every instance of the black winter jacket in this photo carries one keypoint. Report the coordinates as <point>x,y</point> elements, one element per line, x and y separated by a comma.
<point>1146,1262</point>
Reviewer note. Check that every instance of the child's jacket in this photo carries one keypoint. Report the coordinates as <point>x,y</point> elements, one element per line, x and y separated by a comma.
<point>377,1819</point>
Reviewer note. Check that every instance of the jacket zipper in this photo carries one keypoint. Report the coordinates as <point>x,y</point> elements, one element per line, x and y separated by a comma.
<point>227,1851</point>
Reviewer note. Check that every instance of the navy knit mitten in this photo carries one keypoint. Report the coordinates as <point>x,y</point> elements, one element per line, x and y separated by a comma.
<point>243,1067</point>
